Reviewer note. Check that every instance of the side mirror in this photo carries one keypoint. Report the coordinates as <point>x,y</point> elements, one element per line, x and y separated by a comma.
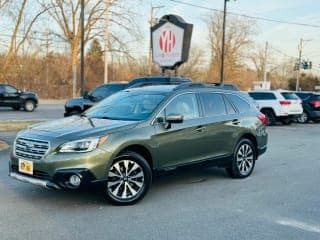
<point>172,118</point>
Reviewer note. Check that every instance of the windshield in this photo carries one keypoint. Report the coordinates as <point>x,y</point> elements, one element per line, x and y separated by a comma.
<point>126,105</point>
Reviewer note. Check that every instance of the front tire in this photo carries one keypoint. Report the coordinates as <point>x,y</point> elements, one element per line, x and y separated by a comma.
<point>129,179</point>
<point>29,106</point>
<point>243,161</point>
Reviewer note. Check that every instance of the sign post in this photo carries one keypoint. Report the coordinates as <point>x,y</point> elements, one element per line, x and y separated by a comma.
<point>171,39</point>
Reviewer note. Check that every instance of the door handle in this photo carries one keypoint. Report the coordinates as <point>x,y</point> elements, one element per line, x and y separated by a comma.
<point>200,128</point>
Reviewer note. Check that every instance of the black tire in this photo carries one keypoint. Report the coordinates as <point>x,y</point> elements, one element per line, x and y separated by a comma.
<point>129,176</point>
<point>243,160</point>
<point>286,121</point>
<point>270,117</point>
<point>29,106</point>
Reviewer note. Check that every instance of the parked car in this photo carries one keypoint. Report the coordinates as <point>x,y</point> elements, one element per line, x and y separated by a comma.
<point>280,105</point>
<point>120,142</point>
<point>17,99</point>
<point>75,106</point>
<point>311,106</point>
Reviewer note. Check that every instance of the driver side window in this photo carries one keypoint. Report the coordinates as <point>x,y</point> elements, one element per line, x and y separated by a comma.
<point>9,89</point>
<point>185,105</point>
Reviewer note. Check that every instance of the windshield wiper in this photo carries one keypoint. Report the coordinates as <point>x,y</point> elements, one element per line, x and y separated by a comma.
<point>89,119</point>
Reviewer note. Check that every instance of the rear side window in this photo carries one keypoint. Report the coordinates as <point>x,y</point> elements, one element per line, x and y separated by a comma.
<point>289,96</point>
<point>239,103</point>
<point>213,104</point>
<point>262,96</point>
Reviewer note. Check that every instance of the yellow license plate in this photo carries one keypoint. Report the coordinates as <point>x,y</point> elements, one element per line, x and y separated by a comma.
<point>26,166</point>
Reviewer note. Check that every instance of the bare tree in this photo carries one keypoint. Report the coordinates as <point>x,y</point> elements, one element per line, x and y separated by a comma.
<point>237,42</point>
<point>3,3</point>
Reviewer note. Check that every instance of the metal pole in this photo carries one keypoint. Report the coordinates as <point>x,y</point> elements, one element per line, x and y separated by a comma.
<point>299,63</point>
<point>106,43</point>
<point>223,40</point>
<point>82,49</point>
<point>265,66</point>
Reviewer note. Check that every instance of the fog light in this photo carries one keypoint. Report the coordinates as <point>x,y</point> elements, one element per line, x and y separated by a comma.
<point>75,180</point>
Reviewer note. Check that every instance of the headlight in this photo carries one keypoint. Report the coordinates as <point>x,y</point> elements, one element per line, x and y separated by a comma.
<point>83,145</point>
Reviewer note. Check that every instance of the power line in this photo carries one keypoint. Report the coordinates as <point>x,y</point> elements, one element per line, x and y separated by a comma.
<point>247,16</point>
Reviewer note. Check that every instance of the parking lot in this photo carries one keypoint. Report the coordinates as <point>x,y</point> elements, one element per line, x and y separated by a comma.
<point>279,201</point>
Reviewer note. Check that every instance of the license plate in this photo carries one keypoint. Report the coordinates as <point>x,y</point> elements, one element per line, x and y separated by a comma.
<point>26,166</point>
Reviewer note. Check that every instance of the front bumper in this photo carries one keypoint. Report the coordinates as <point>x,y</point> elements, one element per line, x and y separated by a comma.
<point>60,179</point>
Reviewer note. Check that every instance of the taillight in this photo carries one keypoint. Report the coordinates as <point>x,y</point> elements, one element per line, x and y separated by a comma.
<point>315,103</point>
<point>262,118</point>
<point>285,102</point>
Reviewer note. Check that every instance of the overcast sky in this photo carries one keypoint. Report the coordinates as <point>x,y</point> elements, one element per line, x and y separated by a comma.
<point>283,37</point>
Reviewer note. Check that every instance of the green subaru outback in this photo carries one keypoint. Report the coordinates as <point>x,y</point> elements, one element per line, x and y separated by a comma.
<point>122,141</point>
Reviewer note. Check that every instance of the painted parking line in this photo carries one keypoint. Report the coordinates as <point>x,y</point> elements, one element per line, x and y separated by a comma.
<point>300,225</point>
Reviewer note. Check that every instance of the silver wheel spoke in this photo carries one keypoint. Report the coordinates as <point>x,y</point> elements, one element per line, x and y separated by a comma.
<point>140,174</point>
<point>132,191</point>
<point>115,192</point>
<point>112,174</point>
<point>113,183</point>
<point>117,167</point>
<point>126,166</point>
<point>133,168</point>
<point>139,184</point>
<point>245,159</point>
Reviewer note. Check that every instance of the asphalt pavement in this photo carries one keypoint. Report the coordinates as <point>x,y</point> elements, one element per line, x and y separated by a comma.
<point>279,201</point>
<point>42,112</point>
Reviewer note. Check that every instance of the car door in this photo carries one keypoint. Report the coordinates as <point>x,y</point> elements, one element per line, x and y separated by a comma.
<point>178,144</point>
<point>220,121</point>
<point>11,96</point>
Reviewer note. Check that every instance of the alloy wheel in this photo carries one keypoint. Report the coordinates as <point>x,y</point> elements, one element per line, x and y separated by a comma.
<point>245,159</point>
<point>126,180</point>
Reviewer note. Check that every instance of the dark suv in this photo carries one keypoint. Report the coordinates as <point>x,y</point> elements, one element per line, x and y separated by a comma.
<point>76,106</point>
<point>16,99</point>
<point>120,142</point>
<point>311,106</point>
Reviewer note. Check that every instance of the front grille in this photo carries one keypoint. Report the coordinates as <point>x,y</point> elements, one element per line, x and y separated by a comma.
<point>36,173</point>
<point>30,148</point>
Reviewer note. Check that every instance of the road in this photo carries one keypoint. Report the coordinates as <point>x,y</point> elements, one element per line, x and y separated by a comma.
<point>279,201</point>
<point>43,112</point>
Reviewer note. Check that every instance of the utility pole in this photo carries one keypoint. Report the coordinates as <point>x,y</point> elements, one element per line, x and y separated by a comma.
<point>47,54</point>
<point>106,43</point>
<point>223,41</point>
<point>151,22</point>
<point>265,66</point>
<point>82,49</point>
<point>299,63</point>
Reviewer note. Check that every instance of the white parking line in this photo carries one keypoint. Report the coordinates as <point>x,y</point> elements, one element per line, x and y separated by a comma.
<point>301,225</point>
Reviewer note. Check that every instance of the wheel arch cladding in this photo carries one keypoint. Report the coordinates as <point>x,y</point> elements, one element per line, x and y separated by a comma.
<point>143,151</point>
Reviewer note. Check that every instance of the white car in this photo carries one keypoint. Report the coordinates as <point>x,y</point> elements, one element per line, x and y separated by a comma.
<point>281,105</point>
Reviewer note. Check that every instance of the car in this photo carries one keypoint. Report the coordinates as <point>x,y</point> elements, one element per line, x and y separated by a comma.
<point>17,99</point>
<point>124,140</point>
<point>278,105</point>
<point>76,106</point>
<point>311,106</point>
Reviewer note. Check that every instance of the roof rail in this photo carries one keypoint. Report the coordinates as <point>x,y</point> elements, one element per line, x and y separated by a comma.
<point>190,85</point>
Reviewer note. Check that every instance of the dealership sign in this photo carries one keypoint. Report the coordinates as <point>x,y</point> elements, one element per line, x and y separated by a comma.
<point>171,41</point>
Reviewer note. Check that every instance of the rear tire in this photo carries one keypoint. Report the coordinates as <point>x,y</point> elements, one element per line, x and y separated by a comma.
<point>129,179</point>
<point>16,108</point>
<point>243,161</point>
<point>286,121</point>
<point>270,117</point>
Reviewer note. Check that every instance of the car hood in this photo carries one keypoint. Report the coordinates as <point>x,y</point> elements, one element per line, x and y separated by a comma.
<point>76,127</point>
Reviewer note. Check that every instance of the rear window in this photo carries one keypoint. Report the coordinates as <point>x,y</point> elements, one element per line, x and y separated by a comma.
<point>242,105</point>
<point>315,97</point>
<point>290,95</point>
<point>262,96</point>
